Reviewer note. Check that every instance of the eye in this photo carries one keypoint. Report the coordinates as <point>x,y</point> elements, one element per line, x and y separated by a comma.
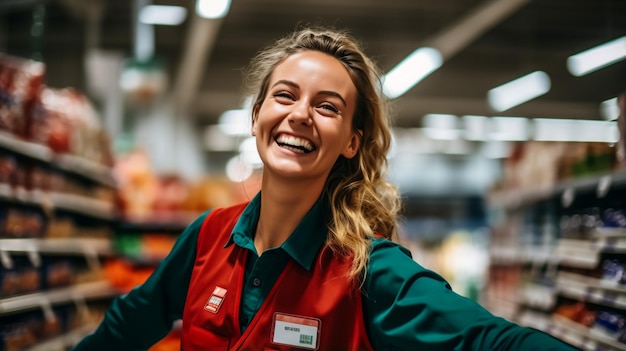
<point>283,96</point>
<point>330,107</point>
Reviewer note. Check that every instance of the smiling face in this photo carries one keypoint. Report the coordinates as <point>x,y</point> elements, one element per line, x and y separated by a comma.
<point>304,122</point>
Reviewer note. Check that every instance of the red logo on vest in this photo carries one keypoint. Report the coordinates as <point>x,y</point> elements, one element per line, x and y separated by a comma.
<point>215,301</point>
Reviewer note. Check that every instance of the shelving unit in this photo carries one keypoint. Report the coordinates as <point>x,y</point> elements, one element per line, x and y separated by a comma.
<point>143,243</point>
<point>69,163</point>
<point>568,259</point>
<point>86,243</point>
<point>64,341</point>
<point>85,246</point>
<point>45,299</point>
<point>601,184</point>
<point>573,333</point>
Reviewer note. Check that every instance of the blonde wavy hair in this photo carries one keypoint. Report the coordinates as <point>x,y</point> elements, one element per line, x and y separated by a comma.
<point>363,203</point>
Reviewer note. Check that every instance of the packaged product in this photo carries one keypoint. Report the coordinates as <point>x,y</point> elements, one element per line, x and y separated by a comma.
<point>20,84</point>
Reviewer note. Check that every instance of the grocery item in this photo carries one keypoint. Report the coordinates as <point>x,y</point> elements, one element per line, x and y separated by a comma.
<point>20,83</point>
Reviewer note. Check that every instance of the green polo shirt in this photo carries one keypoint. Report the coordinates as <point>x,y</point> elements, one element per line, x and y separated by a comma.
<point>406,306</point>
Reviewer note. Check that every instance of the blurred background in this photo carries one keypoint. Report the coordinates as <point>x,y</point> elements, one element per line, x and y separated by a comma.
<point>121,121</point>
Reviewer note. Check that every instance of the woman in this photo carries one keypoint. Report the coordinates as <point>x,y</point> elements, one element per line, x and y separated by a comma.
<point>308,263</point>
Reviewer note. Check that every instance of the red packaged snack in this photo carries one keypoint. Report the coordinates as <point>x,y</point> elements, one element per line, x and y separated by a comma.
<point>66,121</point>
<point>20,83</point>
<point>52,125</point>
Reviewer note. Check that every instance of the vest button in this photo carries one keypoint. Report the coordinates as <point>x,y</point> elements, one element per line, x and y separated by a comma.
<point>256,281</point>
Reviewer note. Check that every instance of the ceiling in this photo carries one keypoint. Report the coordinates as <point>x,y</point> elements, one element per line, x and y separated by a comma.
<point>485,43</point>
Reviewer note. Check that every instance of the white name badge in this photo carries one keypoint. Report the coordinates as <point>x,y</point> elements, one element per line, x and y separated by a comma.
<point>297,331</point>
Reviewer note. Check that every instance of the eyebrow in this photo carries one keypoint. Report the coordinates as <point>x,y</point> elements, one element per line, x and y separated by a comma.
<point>323,92</point>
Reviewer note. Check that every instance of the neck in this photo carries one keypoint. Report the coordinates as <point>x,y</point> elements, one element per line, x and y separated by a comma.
<point>283,206</point>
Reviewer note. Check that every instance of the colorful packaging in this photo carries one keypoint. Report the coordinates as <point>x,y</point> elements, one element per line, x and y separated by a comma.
<point>20,83</point>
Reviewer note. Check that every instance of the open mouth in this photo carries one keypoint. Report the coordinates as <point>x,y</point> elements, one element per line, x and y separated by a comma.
<point>295,144</point>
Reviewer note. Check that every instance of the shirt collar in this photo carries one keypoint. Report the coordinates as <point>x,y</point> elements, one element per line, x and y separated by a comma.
<point>303,243</point>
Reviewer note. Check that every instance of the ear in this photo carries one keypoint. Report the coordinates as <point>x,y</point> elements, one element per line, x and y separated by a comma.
<point>353,145</point>
<point>255,115</point>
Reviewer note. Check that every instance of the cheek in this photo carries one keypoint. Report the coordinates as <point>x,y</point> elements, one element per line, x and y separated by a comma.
<point>262,121</point>
<point>269,114</point>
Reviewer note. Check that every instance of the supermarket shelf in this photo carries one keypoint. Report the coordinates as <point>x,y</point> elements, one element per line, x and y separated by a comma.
<point>79,204</point>
<point>62,342</point>
<point>521,197</point>
<point>578,253</point>
<point>54,200</point>
<point>512,199</point>
<point>44,299</point>
<point>538,296</point>
<point>25,148</point>
<point>571,332</point>
<point>539,255</point>
<point>71,163</point>
<point>99,246</point>
<point>593,290</point>
<point>586,253</point>
<point>605,233</point>
<point>504,255</point>
<point>162,221</point>
<point>86,168</point>
<point>610,238</point>
<point>567,252</point>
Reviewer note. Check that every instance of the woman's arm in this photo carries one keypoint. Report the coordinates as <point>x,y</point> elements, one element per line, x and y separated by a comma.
<point>145,315</point>
<point>408,307</point>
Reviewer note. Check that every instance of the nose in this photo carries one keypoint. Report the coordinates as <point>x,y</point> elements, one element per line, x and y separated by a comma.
<point>301,113</point>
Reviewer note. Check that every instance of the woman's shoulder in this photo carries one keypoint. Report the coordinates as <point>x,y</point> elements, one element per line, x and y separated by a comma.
<point>383,246</point>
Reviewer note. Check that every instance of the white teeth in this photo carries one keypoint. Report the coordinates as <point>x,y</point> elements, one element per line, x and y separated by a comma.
<point>294,143</point>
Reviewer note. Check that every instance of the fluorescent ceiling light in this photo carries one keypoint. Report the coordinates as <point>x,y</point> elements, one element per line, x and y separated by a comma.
<point>575,130</point>
<point>212,9</point>
<point>440,121</point>
<point>509,128</point>
<point>598,57</point>
<point>609,109</point>
<point>415,67</point>
<point>441,126</point>
<point>518,91</point>
<point>163,15</point>
<point>476,127</point>
<point>413,141</point>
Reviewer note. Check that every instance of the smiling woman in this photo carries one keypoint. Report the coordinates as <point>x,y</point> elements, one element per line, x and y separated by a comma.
<point>310,262</point>
<point>304,123</point>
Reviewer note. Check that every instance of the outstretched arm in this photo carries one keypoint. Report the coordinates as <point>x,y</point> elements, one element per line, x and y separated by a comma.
<point>145,315</point>
<point>411,308</point>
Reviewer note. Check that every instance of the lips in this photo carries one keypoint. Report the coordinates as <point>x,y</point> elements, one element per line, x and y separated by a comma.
<point>295,144</point>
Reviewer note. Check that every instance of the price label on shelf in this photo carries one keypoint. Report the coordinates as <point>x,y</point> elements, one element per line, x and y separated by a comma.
<point>604,185</point>
<point>80,302</point>
<point>568,197</point>
<point>6,260</point>
<point>46,307</point>
<point>91,256</point>
<point>33,257</point>
<point>609,298</point>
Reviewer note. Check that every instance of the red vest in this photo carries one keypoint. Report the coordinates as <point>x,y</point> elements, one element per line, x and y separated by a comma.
<point>316,310</point>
